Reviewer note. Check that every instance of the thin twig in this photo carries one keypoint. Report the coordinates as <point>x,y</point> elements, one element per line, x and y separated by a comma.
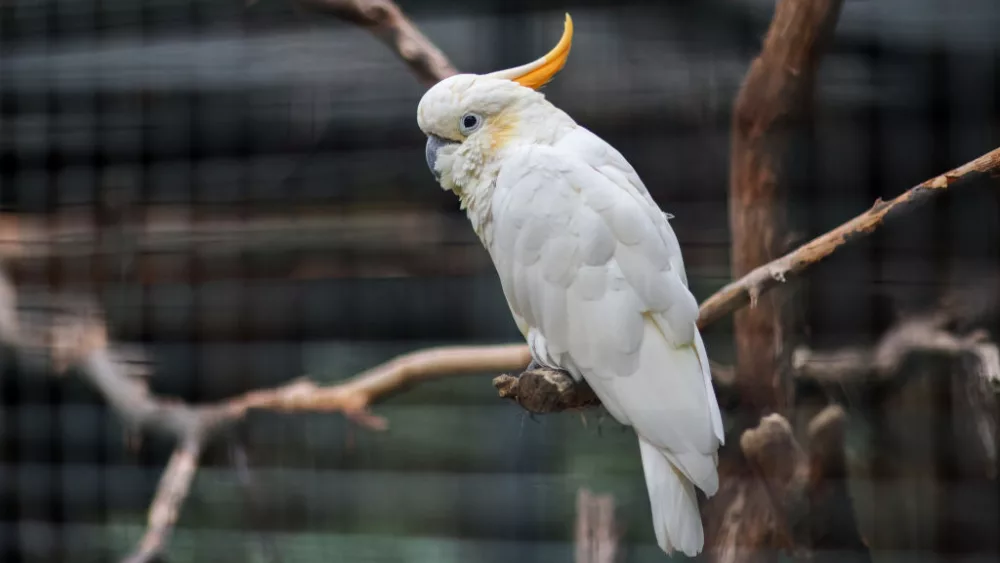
<point>170,494</point>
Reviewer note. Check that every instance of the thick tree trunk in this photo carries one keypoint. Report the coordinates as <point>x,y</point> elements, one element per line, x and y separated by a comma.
<point>761,508</point>
<point>770,105</point>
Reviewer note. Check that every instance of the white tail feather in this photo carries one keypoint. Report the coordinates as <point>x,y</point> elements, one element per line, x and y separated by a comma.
<point>676,518</point>
<point>670,402</point>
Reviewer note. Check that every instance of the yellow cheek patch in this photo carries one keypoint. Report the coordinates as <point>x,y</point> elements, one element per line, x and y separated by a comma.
<point>502,128</point>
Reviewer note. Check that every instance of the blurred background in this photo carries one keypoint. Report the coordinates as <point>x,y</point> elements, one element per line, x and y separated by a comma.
<point>243,187</point>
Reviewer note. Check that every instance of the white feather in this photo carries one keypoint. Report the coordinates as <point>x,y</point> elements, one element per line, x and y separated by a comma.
<point>672,500</point>
<point>593,275</point>
<point>595,271</point>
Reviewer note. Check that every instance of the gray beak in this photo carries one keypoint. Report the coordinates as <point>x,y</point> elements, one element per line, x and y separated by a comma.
<point>434,144</point>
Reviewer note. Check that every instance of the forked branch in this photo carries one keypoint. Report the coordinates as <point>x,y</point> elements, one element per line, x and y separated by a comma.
<point>71,337</point>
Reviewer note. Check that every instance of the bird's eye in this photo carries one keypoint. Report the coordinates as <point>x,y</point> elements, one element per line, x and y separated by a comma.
<point>469,123</point>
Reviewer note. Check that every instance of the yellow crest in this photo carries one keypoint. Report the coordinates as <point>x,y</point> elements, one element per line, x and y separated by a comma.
<point>536,74</point>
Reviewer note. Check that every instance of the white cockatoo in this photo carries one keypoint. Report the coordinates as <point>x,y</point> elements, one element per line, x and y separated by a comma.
<point>590,267</point>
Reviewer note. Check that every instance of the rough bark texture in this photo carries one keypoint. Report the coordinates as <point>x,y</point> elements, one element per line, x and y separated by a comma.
<point>781,496</point>
<point>545,390</point>
<point>754,515</point>
<point>770,103</point>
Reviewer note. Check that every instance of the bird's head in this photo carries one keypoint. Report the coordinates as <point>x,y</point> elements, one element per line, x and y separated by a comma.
<point>469,119</point>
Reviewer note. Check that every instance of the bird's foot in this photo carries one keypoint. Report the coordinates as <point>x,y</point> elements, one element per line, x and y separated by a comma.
<point>534,366</point>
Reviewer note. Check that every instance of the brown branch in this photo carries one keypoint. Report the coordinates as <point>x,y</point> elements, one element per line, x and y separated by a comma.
<point>750,287</point>
<point>171,229</point>
<point>755,495</point>
<point>69,338</point>
<point>58,334</point>
<point>546,390</point>
<point>73,339</point>
<point>387,22</point>
<point>770,475</point>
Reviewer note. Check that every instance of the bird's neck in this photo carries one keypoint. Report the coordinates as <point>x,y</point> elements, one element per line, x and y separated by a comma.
<point>478,205</point>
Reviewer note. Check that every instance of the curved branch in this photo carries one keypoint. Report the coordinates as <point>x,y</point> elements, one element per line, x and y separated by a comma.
<point>57,334</point>
<point>77,337</point>
<point>386,21</point>
<point>353,396</point>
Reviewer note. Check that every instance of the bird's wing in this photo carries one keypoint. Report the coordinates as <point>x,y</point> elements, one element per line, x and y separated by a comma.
<point>604,158</point>
<point>586,263</point>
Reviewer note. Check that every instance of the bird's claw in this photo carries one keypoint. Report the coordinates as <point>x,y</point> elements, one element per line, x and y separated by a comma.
<point>533,366</point>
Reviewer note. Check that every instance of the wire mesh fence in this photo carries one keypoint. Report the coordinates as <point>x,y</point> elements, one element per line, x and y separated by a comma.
<point>241,189</point>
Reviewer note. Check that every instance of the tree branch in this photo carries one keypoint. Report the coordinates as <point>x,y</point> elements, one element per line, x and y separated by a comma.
<point>170,494</point>
<point>59,334</point>
<point>71,337</point>
<point>750,287</point>
<point>81,340</point>
<point>387,22</point>
<point>63,337</point>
